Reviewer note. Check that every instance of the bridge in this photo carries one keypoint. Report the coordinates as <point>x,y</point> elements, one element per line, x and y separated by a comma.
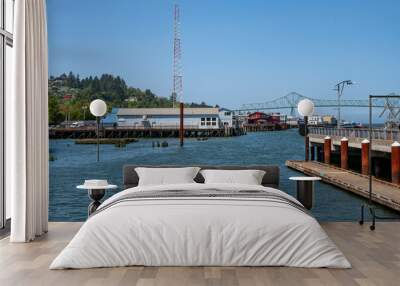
<point>291,100</point>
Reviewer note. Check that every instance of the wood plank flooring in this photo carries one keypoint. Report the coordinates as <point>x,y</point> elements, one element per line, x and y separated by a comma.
<point>375,257</point>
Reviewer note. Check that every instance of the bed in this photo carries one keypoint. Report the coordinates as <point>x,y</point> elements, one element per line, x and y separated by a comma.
<point>197,224</point>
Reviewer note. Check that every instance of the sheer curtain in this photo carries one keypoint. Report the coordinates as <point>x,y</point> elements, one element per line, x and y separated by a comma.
<point>27,122</point>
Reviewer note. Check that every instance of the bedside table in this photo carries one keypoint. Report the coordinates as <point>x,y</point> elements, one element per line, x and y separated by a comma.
<point>305,190</point>
<point>95,193</point>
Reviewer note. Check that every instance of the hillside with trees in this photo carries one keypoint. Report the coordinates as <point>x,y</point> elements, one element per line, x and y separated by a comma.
<point>70,96</point>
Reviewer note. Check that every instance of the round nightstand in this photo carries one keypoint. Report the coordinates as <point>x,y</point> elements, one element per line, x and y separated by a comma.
<point>95,193</point>
<point>305,190</point>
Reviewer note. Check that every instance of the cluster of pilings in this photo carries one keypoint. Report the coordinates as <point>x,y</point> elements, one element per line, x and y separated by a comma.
<point>327,151</point>
<point>131,132</point>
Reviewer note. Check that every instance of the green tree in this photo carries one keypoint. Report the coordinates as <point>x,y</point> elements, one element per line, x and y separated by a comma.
<point>112,89</point>
<point>55,116</point>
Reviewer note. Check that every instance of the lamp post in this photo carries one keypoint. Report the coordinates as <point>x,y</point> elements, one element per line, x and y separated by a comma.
<point>84,112</point>
<point>305,108</point>
<point>339,88</point>
<point>98,108</point>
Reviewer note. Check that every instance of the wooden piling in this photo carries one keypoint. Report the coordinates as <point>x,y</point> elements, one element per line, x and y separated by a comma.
<point>327,149</point>
<point>312,151</point>
<point>320,155</point>
<point>344,153</point>
<point>396,162</point>
<point>306,139</point>
<point>181,125</point>
<point>365,157</point>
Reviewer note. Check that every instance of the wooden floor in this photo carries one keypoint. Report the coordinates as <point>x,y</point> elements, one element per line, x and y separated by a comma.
<point>375,257</point>
<point>385,193</point>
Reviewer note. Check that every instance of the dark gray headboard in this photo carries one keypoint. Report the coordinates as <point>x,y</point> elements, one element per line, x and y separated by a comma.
<point>271,178</point>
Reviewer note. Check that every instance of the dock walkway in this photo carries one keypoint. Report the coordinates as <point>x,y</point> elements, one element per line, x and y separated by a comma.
<point>354,142</point>
<point>384,193</point>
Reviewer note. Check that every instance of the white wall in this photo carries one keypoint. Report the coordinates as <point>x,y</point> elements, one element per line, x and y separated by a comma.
<point>170,121</point>
<point>226,119</point>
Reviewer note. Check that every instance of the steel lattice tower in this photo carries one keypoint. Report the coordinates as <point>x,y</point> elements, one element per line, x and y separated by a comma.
<point>177,91</point>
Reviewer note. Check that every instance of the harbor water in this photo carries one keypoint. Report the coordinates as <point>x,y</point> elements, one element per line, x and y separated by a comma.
<point>73,163</point>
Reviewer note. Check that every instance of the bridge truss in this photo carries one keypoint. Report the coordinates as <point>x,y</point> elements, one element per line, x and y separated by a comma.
<point>291,100</point>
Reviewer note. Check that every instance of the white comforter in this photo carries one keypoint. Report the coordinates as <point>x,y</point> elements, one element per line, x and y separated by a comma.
<point>211,231</point>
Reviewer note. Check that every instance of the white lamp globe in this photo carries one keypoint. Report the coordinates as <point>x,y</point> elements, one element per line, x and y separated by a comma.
<point>305,107</point>
<point>98,107</point>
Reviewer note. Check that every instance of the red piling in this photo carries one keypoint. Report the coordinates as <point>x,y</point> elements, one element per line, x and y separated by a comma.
<point>344,153</point>
<point>365,157</point>
<point>327,149</point>
<point>396,162</point>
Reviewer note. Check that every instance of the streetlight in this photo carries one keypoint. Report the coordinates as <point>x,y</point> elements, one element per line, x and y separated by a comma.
<point>98,108</point>
<point>339,88</point>
<point>84,112</point>
<point>305,108</point>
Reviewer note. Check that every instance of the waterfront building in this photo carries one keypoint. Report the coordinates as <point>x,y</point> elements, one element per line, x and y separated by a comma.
<point>292,121</point>
<point>111,118</point>
<point>315,120</point>
<point>226,117</point>
<point>207,118</point>
<point>257,118</point>
<point>329,120</point>
<point>239,120</point>
<point>263,118</point>
<point>319,120</point>
<point>276,118</point>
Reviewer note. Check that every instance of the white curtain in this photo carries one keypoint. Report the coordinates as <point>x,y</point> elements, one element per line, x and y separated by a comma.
<point>27,122</point>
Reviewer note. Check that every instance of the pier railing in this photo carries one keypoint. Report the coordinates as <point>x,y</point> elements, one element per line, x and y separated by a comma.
<point>377,133</point>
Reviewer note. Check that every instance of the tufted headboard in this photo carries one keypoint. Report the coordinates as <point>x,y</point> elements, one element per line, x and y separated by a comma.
<point>271,177</point>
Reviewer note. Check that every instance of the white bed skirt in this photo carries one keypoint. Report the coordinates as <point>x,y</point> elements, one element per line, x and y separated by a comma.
<point>200,232</point>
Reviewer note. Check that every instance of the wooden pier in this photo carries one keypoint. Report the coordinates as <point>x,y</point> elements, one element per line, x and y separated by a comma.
<point>113,141</point>
<point>264,127</point>
<point>382,139</point>
<point>384,193</point>
<point>378,145</point>
<point>141,132</point>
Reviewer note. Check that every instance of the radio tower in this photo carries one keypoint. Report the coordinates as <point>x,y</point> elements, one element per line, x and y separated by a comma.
<point>177,92</point>
<point>177,86</point>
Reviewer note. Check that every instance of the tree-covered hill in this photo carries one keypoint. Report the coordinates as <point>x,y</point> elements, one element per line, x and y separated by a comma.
<point>70,96</point>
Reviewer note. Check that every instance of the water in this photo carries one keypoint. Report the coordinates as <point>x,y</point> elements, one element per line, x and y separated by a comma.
<point>75,163</point>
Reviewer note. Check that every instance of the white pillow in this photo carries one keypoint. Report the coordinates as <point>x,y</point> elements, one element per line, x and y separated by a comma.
<point>166,176</point>
<point>248,177</point>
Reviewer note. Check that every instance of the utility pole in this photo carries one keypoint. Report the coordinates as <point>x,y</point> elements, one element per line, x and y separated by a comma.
<point>339,89</point>
<point>84,112</point>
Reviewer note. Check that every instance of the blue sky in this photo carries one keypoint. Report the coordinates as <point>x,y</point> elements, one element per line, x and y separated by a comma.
<point>234,52</point>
